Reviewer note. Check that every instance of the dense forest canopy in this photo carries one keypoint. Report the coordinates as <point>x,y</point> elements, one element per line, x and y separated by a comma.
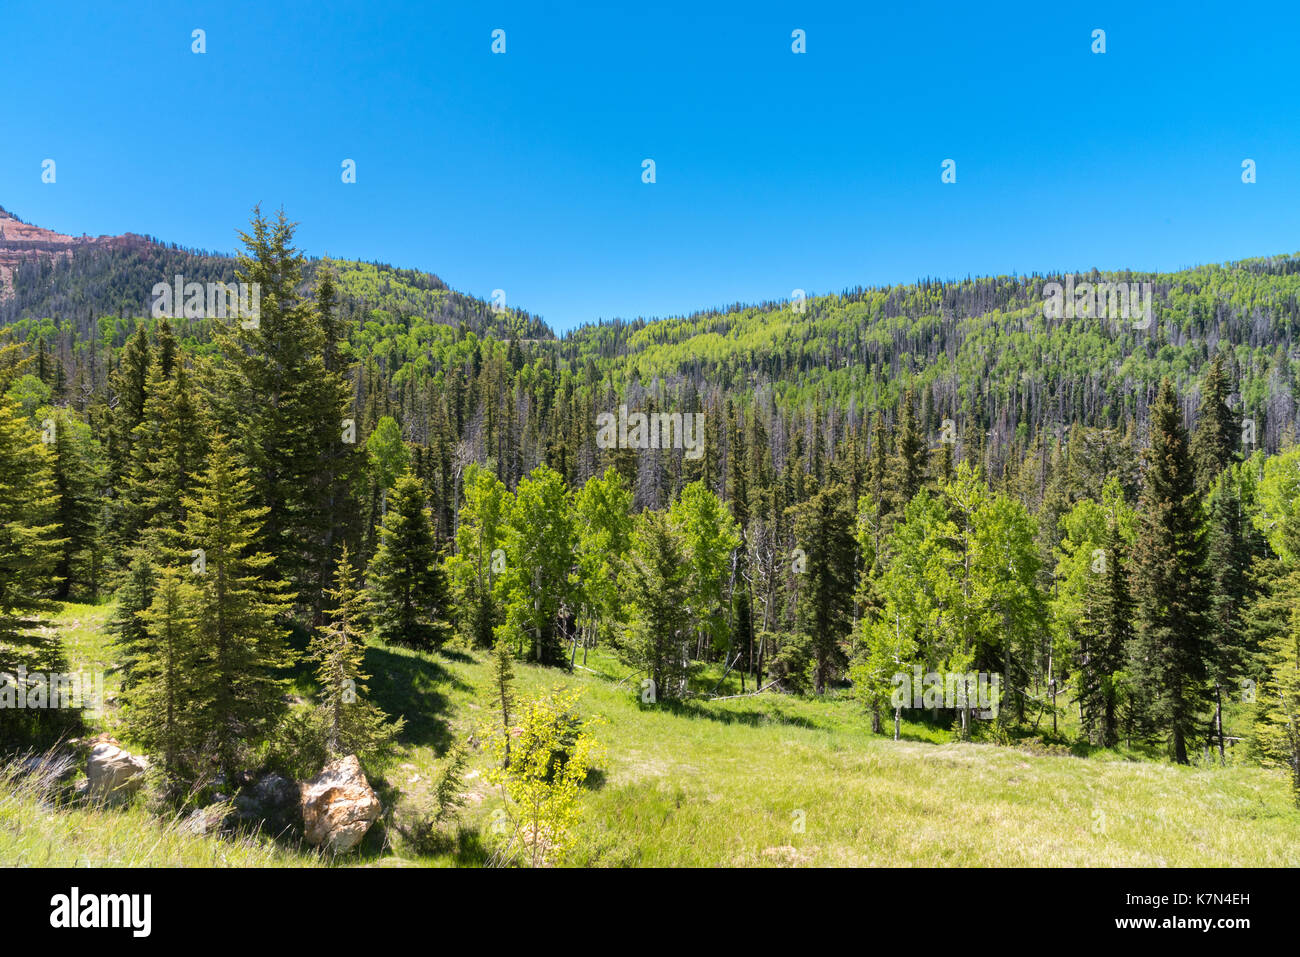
<point>940,477</point>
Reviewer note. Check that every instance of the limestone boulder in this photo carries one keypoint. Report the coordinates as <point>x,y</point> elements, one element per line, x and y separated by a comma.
<point>112,771</point>
<point>338,806</point>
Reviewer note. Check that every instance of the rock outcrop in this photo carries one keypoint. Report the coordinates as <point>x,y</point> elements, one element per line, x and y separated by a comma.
<point>113,771</point>
<point>338,806</point>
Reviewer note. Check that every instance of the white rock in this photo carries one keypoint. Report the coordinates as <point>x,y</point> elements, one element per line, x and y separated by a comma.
<point>204,820</point>
<point>114,771</point>
<point>338,805</point>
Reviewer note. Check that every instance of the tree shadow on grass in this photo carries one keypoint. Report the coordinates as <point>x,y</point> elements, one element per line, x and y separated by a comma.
<point>456,655</point>
<point>415,688</point>
<point>753,719</point>
<point>465,845</point>
<point>905,735</point>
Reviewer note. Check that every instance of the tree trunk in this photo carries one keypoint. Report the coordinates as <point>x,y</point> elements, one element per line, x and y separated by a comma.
<point>1218,719</point>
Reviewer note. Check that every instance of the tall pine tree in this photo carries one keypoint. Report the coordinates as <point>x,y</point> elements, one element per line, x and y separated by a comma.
<point>1170,582</point>
<point>351,724</point>
<point>1214,443</point>
<point>409,601</point>
<point>238,694</point>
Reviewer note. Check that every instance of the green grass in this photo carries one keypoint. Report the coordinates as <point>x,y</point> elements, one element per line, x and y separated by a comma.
<point>37,834</point>
<point>84,630</point>
<point>772,780</point>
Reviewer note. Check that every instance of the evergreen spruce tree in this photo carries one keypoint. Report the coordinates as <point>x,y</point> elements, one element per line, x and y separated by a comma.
<point>331,511</point>
<point>128,386</point>
<point>879,483</point>
<point>78,477</point>
<point>659,629</point>
<point>408,603</point>
<point>1170,583</point>
<point>29,545</point>
<point>1275,734</point>
<point>908,468</point>
<point>159,712</point>
<point>351,724</point>
<point>737,468</point>
<point>823,527</point>
<point>1108,632</point>
<point>273,381</point>
<point>1214,443</point>
<point>238,691</point>
<point>167,453</point>
<point>1234,545</point>
<point>128,628</point>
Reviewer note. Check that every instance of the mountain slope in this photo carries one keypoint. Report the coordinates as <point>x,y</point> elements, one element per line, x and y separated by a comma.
<point>983,352</point>
<point>44,274</point>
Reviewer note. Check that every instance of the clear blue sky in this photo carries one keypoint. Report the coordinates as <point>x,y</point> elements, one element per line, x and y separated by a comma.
<point>522,171</point>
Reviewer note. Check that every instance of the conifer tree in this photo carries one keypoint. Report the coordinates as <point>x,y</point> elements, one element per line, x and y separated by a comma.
<point>331,516</point>
<point>128,386</point>
<point>127,626</point>
<point>1170,584</point>
<point>823,527</point>
<point>1275,737</point>
<point>737,468</point>
<point>1234,544</point>
<point>159,712</point>
<point>238,692</point>
<point>659,624</point>
<point>740,632</point>
<point>908,468</point>
<point>879,482</point>
<point>78,476</point>
<point>351,724</point>
<point>272,385</point>
<point>167,454</point>
<point>29,544</point>
<point>164,349</point>
<point>1214,443</point>
<point>1109,632</point>
<point>408,603</point>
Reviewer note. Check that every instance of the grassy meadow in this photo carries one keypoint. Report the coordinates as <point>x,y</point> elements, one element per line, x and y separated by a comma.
<point>772,780</point>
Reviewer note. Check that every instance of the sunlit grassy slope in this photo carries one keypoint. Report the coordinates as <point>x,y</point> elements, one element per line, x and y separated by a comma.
<point>771,780</point>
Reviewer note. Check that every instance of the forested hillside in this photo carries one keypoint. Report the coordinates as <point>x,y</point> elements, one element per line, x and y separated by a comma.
<point>94,285</point>
<point>831,498</point>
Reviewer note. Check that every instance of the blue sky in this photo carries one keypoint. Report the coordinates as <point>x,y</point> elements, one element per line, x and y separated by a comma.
<point>775,171</point>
